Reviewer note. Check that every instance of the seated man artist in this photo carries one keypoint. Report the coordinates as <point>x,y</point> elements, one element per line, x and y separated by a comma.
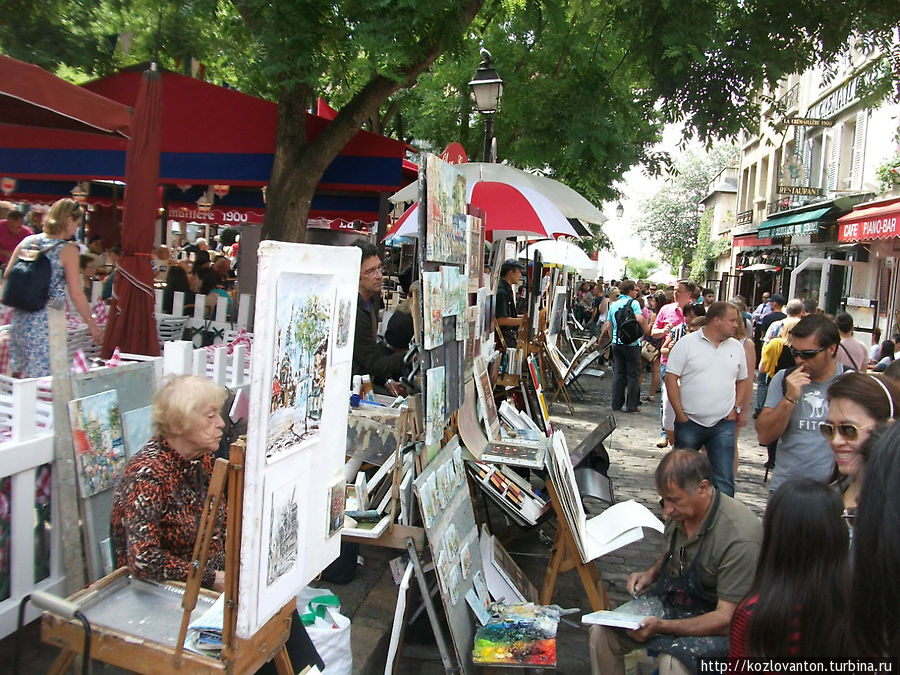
<point>368,358</point>
<point>158,500</point>
<point>693,589</point>
<point>505,313</point>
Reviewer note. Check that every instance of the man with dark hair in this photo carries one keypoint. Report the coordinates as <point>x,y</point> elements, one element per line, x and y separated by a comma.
<point>505,313</point>
<point>12,231</point>
<point>694,587</point>
<point>626,355</point>
<point>851,353</point>
<point>797,403</point>
<point>709,297</point>
<point>706,379</point>
<point>368,358</point>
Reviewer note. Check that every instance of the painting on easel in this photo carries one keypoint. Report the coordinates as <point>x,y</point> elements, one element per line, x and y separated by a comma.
<point>98,440</point>
<point>297,422</point>
<point>303,324</point>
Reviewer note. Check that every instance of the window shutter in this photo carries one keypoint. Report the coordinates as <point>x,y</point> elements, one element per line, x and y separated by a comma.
<point>859,149</point>
<point>834,157</point>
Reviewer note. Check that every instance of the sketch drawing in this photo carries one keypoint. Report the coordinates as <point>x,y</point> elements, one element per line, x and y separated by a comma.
<point>337,501</point>
<point>302,325</point>
<point>284,533</point>
<point>98,440</point>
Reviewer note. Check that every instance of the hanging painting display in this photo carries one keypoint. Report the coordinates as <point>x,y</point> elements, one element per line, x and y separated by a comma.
<point>296,435</point>
<point>433,309</point>
<point>98,440</point>
<point>435,404</point>
<point>474,253</point>
<point>344,319</point>
<point>446,236</point>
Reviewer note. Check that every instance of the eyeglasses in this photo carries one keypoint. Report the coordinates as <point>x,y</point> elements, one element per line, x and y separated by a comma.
<point>374,272</point>
<point>849,432</point>
<point>805,354</point>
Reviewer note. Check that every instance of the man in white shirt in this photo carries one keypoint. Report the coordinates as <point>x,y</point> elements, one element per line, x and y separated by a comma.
<point>705,377</point>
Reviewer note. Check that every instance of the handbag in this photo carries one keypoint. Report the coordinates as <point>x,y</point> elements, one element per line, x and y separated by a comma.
<point>27,283</point>
<point>649,351</point>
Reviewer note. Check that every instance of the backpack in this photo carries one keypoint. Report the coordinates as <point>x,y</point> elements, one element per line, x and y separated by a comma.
<point>27,285</point>
<point>627,328</point>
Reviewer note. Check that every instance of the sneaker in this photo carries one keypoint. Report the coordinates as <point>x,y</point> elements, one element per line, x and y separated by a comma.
<point>663,442</point>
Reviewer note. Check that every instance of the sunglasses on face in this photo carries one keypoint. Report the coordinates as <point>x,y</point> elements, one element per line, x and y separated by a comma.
<point>805,354</point>
<point>849,432</point>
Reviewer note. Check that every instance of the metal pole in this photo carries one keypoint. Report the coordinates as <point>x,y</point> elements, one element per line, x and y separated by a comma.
<point>439,638</point>
<point>488,137</point>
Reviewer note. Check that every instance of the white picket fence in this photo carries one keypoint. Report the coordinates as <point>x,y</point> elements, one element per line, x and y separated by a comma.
<point>217,325</point>
<point>26,443</point>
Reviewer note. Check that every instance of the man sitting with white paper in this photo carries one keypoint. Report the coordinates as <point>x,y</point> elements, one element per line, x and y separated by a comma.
<point>693,589</point>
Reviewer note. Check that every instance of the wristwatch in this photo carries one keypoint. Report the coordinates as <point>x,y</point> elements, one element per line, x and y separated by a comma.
<point>738,409</point>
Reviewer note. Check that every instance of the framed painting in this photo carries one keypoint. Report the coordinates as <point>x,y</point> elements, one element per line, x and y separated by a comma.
<point>99,441</point>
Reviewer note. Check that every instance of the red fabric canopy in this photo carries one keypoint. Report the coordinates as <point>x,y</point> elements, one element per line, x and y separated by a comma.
<point>131,325</point>
<point>865,223</point>
<point>30,96</point>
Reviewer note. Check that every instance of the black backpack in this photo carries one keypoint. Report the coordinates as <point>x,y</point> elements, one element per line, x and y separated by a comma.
<point>27,284</point>
<point>627,328</point>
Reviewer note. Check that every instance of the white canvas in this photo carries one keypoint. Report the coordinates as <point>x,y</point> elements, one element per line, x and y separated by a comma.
<point>308,461</point>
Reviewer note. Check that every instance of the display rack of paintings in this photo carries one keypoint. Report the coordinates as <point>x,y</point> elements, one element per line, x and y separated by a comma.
<point>452,536</point>
<point>453,239</point>
<point>296,437</point>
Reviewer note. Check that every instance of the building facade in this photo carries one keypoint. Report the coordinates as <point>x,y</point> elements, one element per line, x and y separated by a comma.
<point>813,159</point>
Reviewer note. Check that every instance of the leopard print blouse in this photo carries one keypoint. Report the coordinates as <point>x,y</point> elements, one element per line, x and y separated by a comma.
<point>157,506</point>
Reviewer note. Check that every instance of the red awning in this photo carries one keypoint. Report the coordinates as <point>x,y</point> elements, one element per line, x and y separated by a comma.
<point>750,240</point>
<point>873,222</point>
<point>216,215</point>
<point>30,96</point>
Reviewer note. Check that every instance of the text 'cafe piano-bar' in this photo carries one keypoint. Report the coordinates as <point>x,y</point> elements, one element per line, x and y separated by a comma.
<point>870,221</point>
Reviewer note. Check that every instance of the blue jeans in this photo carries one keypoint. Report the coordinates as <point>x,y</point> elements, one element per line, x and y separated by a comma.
<point>719,442</point>
<point>626,384</point>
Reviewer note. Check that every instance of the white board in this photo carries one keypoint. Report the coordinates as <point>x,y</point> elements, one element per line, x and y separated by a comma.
<point>296,435</point>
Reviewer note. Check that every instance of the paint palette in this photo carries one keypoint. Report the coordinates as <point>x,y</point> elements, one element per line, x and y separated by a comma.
<point>522,634</point>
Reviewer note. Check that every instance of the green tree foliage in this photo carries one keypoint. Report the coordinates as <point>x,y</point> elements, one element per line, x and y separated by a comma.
<point>641,268</point>
<point>573,106</point>
<point>670,217</point>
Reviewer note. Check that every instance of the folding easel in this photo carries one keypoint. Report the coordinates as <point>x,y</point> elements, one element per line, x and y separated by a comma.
<point>126,650</point>
<point>565,557</point>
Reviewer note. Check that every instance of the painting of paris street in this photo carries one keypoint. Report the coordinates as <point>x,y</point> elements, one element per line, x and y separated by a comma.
<point>302,325</point>
<point>98,440</point>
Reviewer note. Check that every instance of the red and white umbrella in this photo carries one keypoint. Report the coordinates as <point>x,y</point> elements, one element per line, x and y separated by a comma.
<point>510,211</point>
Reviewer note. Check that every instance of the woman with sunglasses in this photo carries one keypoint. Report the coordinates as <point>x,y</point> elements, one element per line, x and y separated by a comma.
<point>797,605</point>
<point>857,405</point>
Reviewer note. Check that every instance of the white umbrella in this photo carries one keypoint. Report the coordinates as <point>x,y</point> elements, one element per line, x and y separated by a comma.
<point>559,252</point>
<point>567,200</point>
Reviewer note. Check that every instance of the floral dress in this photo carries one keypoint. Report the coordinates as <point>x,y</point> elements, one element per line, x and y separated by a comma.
<point>29,348</point>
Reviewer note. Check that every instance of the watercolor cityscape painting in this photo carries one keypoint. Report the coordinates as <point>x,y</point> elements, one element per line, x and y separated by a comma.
<point>302,327</point>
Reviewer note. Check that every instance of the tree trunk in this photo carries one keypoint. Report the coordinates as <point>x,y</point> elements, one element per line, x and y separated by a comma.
<point>298,165</point>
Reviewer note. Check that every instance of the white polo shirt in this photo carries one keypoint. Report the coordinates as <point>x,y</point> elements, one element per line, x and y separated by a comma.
<point>707,375</point>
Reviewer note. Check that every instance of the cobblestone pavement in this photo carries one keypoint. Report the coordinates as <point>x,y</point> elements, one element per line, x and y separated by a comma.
<point>370,599</point>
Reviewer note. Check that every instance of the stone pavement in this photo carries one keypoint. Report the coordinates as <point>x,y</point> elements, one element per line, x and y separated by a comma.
<point>370,599</point>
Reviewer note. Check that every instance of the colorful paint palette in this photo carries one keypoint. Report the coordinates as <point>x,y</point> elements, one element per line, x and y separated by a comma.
<point>518,635</point>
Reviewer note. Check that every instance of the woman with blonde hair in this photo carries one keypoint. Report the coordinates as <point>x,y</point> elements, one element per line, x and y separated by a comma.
<point>29,349</point>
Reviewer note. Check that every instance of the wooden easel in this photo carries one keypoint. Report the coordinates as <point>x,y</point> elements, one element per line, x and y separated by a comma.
<point>565,557</point>
<point>239,655</point>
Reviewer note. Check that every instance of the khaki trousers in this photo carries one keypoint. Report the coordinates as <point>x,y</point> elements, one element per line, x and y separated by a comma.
<point>609,647</point>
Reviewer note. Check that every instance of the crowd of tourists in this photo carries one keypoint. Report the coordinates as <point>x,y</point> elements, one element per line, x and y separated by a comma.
<point>825,404</point>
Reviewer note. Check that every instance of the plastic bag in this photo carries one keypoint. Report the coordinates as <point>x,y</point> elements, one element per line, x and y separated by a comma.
<point>329,630</point>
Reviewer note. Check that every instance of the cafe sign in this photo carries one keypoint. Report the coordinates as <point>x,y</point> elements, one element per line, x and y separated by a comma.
<point>808,122</point>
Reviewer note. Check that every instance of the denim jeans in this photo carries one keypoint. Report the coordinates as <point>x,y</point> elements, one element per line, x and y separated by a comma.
<point>662,396</point>
<point>719,442</point>
<point>626,384</point>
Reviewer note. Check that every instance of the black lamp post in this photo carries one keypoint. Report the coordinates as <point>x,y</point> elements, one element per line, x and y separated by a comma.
<point>487,87</point>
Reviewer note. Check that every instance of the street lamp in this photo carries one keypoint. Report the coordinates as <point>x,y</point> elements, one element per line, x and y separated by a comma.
<point>487,87</point>
<point>625,271</point>
<point>620,210</point>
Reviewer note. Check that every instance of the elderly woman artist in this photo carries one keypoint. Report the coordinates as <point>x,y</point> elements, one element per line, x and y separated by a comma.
<point>158,500</point>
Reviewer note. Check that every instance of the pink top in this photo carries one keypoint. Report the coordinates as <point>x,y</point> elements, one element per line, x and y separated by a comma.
<point>668,314</point>
<point>9,241</point>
